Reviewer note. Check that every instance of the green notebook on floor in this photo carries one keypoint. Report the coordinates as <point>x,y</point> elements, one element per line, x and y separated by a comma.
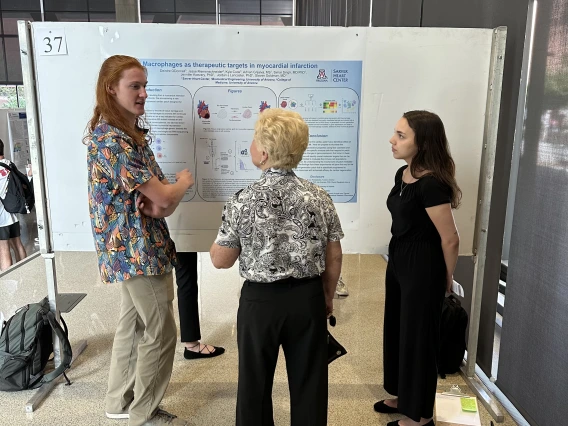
<point>469,405</point>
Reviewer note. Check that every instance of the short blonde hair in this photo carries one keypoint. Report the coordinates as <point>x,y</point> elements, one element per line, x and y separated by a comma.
<point>284,136</point>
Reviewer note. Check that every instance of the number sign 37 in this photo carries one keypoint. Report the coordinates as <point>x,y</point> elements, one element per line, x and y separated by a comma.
<point>51,41</point>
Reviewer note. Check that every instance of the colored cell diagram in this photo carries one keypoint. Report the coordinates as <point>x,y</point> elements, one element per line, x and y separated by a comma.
<point>330,107</point>
<point>350,106</point>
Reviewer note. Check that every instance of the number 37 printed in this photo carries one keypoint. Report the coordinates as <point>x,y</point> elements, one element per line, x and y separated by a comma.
<point>51,42</point>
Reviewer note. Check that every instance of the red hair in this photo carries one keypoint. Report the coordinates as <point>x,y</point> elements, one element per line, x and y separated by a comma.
<point>106,107</point>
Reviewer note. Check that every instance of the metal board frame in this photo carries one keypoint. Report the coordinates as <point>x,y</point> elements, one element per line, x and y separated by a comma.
<point>485,187</point>
<point>40,192</point>
<point>482,219</point>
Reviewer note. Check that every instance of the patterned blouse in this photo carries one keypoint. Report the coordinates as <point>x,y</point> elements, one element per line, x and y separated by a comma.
<point>127,243</point>
<point>282,225</point>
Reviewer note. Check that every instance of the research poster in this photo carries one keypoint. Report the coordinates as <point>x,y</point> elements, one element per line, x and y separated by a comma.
<point>19,140</point>
<point>202,116</point>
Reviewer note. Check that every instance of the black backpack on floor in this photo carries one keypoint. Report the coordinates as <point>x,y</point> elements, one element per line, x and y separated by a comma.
<point>26,344</point>
<point>453,328</point>
<point>20,191</point>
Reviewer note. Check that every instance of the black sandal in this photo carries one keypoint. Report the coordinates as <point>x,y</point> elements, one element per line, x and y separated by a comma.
<point>381,407</point>
<point>187,354</point>
<point>395,423</point>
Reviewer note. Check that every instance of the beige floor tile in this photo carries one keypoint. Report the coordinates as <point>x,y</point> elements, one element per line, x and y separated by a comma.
<point>204,391</point>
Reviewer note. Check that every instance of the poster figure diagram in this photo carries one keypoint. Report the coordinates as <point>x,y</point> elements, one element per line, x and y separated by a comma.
<point>263,105</point>
<point>225,161</point>
<point>203,110</point>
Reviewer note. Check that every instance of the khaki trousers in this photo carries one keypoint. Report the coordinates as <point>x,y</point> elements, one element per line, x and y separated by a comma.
<point>143,348</point>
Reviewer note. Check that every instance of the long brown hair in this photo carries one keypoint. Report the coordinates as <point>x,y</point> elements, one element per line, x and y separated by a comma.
<point>106,107</point>
<point>433,156</point>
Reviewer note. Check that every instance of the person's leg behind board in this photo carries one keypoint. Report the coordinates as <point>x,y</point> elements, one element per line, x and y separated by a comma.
<point>188,307</point>
<point>16,242</point>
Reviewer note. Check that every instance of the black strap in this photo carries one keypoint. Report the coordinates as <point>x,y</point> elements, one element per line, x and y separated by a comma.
<point>66,351</point>
<point>7,166</point>
<point>7,328</point>
<point>64,326</point>
<point>35,381</point>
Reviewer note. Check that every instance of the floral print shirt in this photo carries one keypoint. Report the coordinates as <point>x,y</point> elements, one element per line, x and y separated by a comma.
<point>127,242</point>
<point>282,224</point>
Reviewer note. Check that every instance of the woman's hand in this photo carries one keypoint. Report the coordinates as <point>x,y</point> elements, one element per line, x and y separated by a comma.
<point>333,259</point>
<point>449,284</point>
<point>329,305</point>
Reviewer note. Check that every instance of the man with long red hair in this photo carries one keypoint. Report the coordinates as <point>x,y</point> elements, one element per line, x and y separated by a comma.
<point>129,197</point>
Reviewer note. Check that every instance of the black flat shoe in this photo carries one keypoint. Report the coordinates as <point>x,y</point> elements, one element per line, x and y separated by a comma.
<point>381,407</point>
<point>395,423</point>
<point>187,354</point>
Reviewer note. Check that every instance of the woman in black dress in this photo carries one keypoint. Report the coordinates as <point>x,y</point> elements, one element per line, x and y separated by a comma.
<point>422,257</point>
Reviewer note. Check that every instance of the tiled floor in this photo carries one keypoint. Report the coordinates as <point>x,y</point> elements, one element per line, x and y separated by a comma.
<point>204,391</point>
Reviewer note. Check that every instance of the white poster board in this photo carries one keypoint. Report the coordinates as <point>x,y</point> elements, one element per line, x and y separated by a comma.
<point>442,70</point>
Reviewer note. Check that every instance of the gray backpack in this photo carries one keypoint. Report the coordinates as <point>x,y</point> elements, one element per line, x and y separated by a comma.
<point>26,344</point>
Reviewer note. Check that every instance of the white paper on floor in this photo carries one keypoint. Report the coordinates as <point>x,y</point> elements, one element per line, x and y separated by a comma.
<point>449,411</point>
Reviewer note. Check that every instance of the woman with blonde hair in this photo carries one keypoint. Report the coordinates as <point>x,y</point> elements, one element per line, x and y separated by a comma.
<point>286,234</point>
<point>127,193</point>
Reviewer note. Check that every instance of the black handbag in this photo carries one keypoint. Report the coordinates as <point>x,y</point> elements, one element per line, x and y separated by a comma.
<point>334,348</point>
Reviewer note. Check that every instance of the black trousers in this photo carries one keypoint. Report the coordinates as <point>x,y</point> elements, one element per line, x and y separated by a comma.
<point>415,288</point>
<point>186,278</point>
<point>290,313</point>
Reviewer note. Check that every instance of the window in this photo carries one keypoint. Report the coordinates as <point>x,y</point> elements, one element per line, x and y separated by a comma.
<point>179,11</point>
<point>10,20</point>
<point>79,10</point>
<point>239,19</point>
<point>159,18</point>
<point>240,7</point>
<point>196,6</point>
<point>33,5</point>
<point>9,97</point>
<point>197,18</point>
<point>10,68</point>
<point>255,12</point>
<point>157,6</point>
